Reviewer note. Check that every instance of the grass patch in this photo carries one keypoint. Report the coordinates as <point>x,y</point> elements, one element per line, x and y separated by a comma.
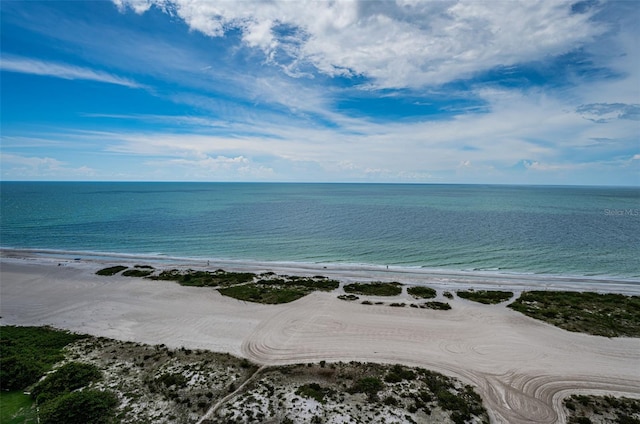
<point>610,315</point>
<point>420,292</point>
<point>137,272</point>
<point>279,290</point>
<point>488,297</point>
<point>17,408</point>
<point>440,306</point>
<point>374,289</point>
<point>26,353</point>
<point>112,270</point>
<point>205,278</point>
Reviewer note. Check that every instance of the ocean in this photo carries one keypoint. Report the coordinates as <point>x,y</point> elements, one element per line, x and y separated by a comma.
<point>572,231</point>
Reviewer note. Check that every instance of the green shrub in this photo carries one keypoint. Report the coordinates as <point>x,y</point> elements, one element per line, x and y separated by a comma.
<point>367,385</point>
<point>374,289</point>
<point>82,407</point>
<point>399,373</point>
<point>112,270</point>
<point>26,353</point>
<point>278,290</point>
<point>67,378</point>
<point>610,315</point>
<point>137,273</point>
<point>487,297</point>
<point>315,391</point>
<point>420,292</point>
<point>172,379</point>
<point>205,278</point>
<point>434,304</point>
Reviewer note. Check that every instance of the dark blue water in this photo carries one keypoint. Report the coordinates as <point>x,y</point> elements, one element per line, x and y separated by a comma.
<point>587,231</point>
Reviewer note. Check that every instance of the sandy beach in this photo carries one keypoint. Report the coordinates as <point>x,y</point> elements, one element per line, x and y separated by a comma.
<point>522,368</point>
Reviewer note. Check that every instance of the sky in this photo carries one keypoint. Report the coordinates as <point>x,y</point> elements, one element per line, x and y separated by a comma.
<point>405,91</point>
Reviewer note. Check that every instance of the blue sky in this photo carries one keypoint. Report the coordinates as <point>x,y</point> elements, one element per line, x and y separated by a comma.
<point>409,91</point>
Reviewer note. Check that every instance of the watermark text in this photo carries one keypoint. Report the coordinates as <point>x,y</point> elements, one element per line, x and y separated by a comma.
<point>622,212</point>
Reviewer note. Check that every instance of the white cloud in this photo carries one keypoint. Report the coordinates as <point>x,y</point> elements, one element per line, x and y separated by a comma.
<point>59,70</point>
<point>18,166</point>
<point>138,6</point>
<point>396,44</point>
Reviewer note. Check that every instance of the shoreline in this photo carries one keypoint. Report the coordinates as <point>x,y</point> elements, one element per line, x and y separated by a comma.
<point>521,367</point>
<point>444,279</point>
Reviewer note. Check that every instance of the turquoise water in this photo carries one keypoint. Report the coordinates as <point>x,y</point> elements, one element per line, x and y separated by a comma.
<point>585,231</point>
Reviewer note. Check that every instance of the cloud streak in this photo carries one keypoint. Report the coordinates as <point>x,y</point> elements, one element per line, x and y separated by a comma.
<point>60,70</point>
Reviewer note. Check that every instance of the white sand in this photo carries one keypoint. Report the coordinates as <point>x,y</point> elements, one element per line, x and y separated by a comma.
<point>522,368</point>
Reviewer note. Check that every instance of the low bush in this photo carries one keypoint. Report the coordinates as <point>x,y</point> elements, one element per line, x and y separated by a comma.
<point>420,292</point>
<point>26,353</point>
<point>67,378</point>
<point>487,297</point>
<point>374,289</point>
<point>315,391</point>
<point>279,290</point>
<point>81,407</point>
<point>442,306</point>
<point>112,270</point>
<point>368,385</point>
<point>204,278</point>
<point>610,315</point>
<point>137,273</point>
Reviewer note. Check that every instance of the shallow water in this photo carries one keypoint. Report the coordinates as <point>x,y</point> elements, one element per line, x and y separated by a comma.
<point>580,231</point>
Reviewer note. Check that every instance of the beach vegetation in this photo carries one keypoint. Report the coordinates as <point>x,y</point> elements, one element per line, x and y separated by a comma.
<point>278,290</point>
<point>434,304</point>
<point>378,288</point>
<point>69,377</point>
<point>598,409</point>
<point>609,315</point>
<point>398,304</point>
<point>398,373</point>
<point>80,407</point>
<point>17,408</point>
<point>27,353</point>
<point>315,391</point>
<point>193,278</point>
<point>367,385</point>
<point>135,272</point>
<point>488,297</point>
<point>172,379</point>
<point>112,270</point>
<point>447,294</point>
<point>420,292</point>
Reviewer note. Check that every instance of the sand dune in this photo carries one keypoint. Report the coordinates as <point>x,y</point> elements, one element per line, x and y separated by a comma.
<point>522,368</point>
